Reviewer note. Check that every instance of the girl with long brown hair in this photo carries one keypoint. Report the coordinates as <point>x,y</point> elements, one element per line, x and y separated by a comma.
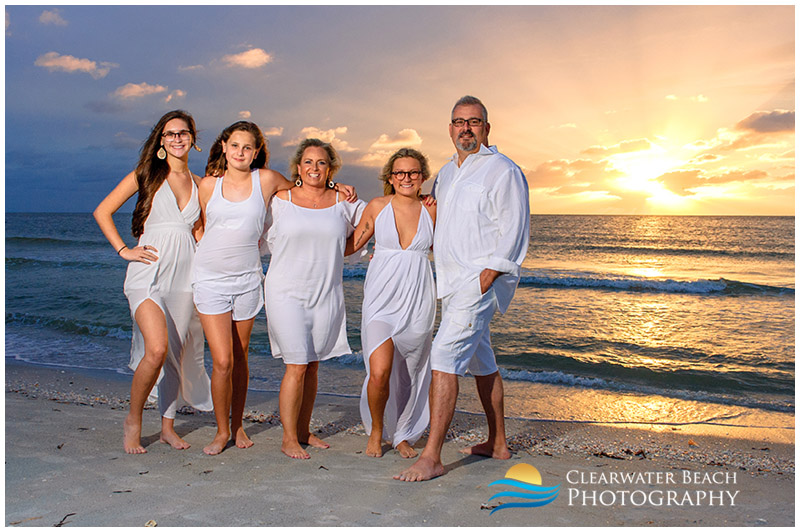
<point>167,345</point>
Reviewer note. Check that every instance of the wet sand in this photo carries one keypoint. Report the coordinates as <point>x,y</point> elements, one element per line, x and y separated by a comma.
<point>64,464</point>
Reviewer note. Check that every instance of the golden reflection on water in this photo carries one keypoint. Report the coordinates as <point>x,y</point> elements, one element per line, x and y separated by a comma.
<point>648,272</point>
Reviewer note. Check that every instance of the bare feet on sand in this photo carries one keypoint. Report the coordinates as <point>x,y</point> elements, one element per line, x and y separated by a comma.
<point>375,445</point>
<point>405,450</point>
<point>499,452</point>
<point>313,441</point>
<point>217,444</point>
<point>293,450</point>
<point>242,441</point>
<point>172,438</point>
<point>131,437</point>
<point>423,469</point>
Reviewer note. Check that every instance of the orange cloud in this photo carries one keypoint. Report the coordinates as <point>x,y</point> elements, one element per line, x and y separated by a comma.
<point>253,58</point>
<point>682,182</point>
<point>273,131</point>
<point>55,62</point>
<point>330,136</point>
<point>562,175</point>
<point>52,17</point>
<point>177,93</point>
<point>132,91</point>
<point>778,121</point>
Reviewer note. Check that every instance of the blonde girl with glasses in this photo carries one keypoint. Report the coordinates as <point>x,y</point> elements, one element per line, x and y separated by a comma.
<point>399,307</point>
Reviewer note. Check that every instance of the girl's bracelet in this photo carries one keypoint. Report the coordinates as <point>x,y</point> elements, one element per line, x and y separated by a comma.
<point>120,249</point>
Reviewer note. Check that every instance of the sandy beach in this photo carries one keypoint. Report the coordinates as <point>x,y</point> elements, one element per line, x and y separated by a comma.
<point>65,465</point>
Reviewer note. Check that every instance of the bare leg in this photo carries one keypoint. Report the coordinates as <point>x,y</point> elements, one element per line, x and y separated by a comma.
<point>290,399</point>
<point>153,324</point>
<point>307,406</point>
<point>380,369</point>
<point>217,328</point>
<point>490,390</point>
<point>169,436</point>
<point>443,395</point>
<point>241,379</point>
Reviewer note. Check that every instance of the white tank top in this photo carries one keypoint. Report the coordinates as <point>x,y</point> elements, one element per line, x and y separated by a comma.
<point>227,259</point>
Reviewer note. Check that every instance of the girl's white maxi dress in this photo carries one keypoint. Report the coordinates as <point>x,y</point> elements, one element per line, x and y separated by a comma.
<point>400,303</point>
<point>167,281</point>
<point>303,291</point>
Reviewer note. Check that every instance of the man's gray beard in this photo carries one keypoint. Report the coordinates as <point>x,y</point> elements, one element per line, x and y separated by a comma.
<point>468,143</point>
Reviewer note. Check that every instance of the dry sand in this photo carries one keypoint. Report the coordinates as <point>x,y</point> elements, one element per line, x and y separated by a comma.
<point>65,465</point>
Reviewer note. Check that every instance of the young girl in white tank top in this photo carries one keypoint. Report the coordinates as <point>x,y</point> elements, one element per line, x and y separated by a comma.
<point>227,274</point>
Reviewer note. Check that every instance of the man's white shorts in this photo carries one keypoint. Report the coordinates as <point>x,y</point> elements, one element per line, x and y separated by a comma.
<point>463,342</point>
<point>241,306</point>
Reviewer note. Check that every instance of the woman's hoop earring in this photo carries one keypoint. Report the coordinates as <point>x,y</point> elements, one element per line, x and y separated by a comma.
<point>331,184</point>
<point>298,182</point>
<point>161,153</point>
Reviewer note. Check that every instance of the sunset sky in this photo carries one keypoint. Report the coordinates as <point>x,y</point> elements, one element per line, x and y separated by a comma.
<point>608,110</point>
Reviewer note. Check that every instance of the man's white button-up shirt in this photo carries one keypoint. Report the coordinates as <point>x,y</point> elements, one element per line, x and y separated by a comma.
<point>482,221</point>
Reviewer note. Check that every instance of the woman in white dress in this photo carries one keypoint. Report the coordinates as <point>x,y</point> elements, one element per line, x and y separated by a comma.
<point>307,231</point>
<point>399,307</point>
<point>167,346</point>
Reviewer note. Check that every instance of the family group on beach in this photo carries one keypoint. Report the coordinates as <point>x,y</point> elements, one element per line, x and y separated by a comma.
<point>196,274</point>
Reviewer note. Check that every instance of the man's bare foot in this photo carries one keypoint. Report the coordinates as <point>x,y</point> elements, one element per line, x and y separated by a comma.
<point>170,437</point>
<point>242,441</point>
<point>374,447</point>
<point>313,441</point>
<point>131,437</point>
<point>217,444</point>
<point>423,469</point>
<point>500,452</point>
<point>293,450</point>
<point>405,450</point>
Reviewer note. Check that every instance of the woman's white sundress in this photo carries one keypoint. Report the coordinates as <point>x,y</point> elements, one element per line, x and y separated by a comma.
<point>303,291</point>
<point>400,303</point>
<point>167,282</point>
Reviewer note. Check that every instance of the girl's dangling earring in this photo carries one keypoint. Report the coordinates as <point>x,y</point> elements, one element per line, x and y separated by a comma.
<point>161,153</point>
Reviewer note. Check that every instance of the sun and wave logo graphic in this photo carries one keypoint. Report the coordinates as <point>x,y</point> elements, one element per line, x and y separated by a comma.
<point>526,478</point>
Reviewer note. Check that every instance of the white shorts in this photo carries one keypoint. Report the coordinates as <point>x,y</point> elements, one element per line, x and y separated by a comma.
<point>463,341</point>
<point>241,306</point>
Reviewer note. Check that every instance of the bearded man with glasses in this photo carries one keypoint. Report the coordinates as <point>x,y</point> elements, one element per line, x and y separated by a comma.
<point>480,241</point>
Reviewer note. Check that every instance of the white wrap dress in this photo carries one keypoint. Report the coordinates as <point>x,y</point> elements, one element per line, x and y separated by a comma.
<point>400,303</point>
<point>303,291</point>
<point>167,282</point>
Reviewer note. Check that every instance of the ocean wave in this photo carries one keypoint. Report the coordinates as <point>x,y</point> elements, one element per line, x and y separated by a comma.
<point>68,325</point>
<point>351,359</point>
<point>33,360</point>
<point>645,284</point>
<point>687,251</point>
<point>566,379</point>
<point>53,242</point>
<point>21,262</point>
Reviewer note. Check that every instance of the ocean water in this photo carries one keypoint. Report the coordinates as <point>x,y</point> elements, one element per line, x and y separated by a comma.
<point>621,318</point>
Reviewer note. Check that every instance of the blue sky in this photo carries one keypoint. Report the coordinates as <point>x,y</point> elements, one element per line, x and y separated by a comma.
<point>608,110</point>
